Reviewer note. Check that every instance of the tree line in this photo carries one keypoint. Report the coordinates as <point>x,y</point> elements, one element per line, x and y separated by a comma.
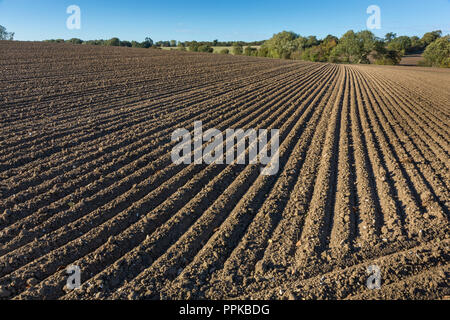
<point>214,43</point>
<point>355,47</point>
<point>200,46</point>
<point>115,42</point>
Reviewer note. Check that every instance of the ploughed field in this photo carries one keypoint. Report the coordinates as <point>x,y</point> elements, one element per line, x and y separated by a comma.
<point>86,177</point>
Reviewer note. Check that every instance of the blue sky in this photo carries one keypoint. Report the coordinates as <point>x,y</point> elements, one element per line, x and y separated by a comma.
<point>245,20</point>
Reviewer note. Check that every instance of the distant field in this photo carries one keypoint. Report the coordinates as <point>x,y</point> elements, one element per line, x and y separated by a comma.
<point>412,59</point>
<point>216,49</point>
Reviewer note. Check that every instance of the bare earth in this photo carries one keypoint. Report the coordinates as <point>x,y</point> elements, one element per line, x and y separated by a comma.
<point>86,177</point>
<point>412,59</point>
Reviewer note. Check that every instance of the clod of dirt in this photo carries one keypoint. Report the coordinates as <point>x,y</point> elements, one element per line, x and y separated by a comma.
<point>66,289</point>
<point>6,214</point>
<point>426,197</point>
<point>132,296</point>
<point>291,296</point>
<point>421,235</point>
<point>32,282</point>
<point>261,267</point>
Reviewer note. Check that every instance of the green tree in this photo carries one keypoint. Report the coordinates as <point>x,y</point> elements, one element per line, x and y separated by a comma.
<point>390,36</point>
<point>173,43</point>
<point>75,41</point>
<point>311,54</point>
<point>326,47</point>
<point>312,41</point>
<point>331,39</point>
<point>263,52</point>
<point>125,43</point>
<point>115,42</point>
<point>348,49</point>
<point>301,43</point>
<point>249,51</point>
<point>354,47</point>
<point>385,56</point>
<point>282,45</point>
<point>5,35</point>
<point>193,46</point>
<point>237,49</point>
<point>430,37</point>
<point>416,45</point>
<point>401,44</point>
<point>148,43</point>
<point>205,48</point>
<point>437,54</point>
<point>136,44</point>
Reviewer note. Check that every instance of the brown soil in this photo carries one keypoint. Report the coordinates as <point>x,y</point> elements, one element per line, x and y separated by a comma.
<point>86,177</point>
<point>412,59</point>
